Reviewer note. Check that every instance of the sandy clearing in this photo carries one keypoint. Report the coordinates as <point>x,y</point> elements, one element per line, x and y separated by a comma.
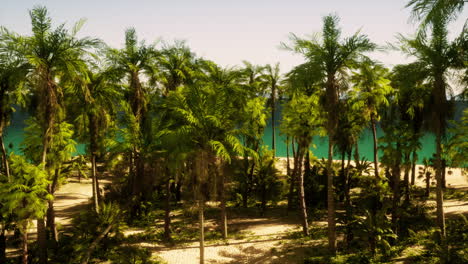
<point>264,244</point>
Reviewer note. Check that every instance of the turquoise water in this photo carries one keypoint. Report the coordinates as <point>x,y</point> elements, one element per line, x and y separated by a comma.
<point>14,137</point>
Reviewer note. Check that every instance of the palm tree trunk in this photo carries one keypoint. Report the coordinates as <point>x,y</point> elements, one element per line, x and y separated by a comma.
<point>331,198</point>
<point>202,230</point>
<point>343,175</point>
<point>42,240</point>
<point>439,188</point>
<point>51,226</point>
<point>222,195</point>
<point>396,190</point>
<point>444,166</point>
<point>376,153</point>
<point>292,182</point>
<point>406,177</point>
<point>273,108</point>
<point>94,183</point>
<point>3,245</point>
<point>24,254</point>
<point>93,149</point>
<point>305,225</point>
<point>167,209</point>
<point>413,168</point>
<point>356,153</point>
<point>6,165</point>
<point>348,209</point>
<point>288,164</point>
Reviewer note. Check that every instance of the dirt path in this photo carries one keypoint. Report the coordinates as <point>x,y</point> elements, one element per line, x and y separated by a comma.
<point>265,243</point>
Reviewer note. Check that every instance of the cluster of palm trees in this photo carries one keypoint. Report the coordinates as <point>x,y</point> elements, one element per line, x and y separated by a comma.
<point>166,117</point>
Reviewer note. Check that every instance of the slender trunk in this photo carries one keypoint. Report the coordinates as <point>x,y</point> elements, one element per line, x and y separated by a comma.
<point>305,225</point>
<point>51,226</point>
<point>222,197</point>
<point>428,184</point>
<point>292,182</point>
<point>167,209</point>
<point>24,255</point>
<point>376,153</point>
<point>41,227</point>
<point>248,188</point>
<point>356,152</point>
<point>93,148</point>
<point>348,209</point>
<point>406,179</point>
<point>288,164</point>
<point>343,176</point>
<point>42,240</point>
<point>396,190</point>
<point>202,230</point>
<point>3,245</point>
<point>331,199</point>
<point>273,107</point>
<point>439,188</point>
<point>413,168</point>
<point>6,165</point>
<point>444,167</point>
<point>94,183</point>
<point>245,191</point>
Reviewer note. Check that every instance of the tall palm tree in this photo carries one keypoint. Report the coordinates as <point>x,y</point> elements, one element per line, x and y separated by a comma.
<point>132,63</point>
<point>272,79</point>
<point>13,71</point>
<point>254,119</point>
<point>372,87</point>
<point>53,53</point>
<point>98,96</point>
<point>207,116</point>
<point>301,121</point>
<point>436,55</point>
<point>332,56</point>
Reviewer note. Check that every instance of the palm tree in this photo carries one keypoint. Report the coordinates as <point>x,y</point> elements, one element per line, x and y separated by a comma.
<point>372,87</point>
<point>254,119</point>
<point>98,96</point>
<point>13,70</point>
<point>176,65</point>
<point>272,80</point>
<point>435,54</point>
<point>132,63</point>
<point>301,121</point>
<point>53,53</point>
<point>332,57</point>
<point>427,11</point>
<point>207,115</point>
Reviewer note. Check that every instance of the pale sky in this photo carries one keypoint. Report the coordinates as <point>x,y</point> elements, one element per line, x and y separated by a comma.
<point>226,32</point>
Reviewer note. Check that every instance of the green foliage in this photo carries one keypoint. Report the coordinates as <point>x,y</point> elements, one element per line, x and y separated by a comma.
<point>132,255</point>
<point>267,185</point>
<point>375,227</point>
<point>62,145</point>
<point>88,225</point>
<point>26,195</point>
<point>458,143</point>
<point>457,238</point>
<point>371,88</point>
